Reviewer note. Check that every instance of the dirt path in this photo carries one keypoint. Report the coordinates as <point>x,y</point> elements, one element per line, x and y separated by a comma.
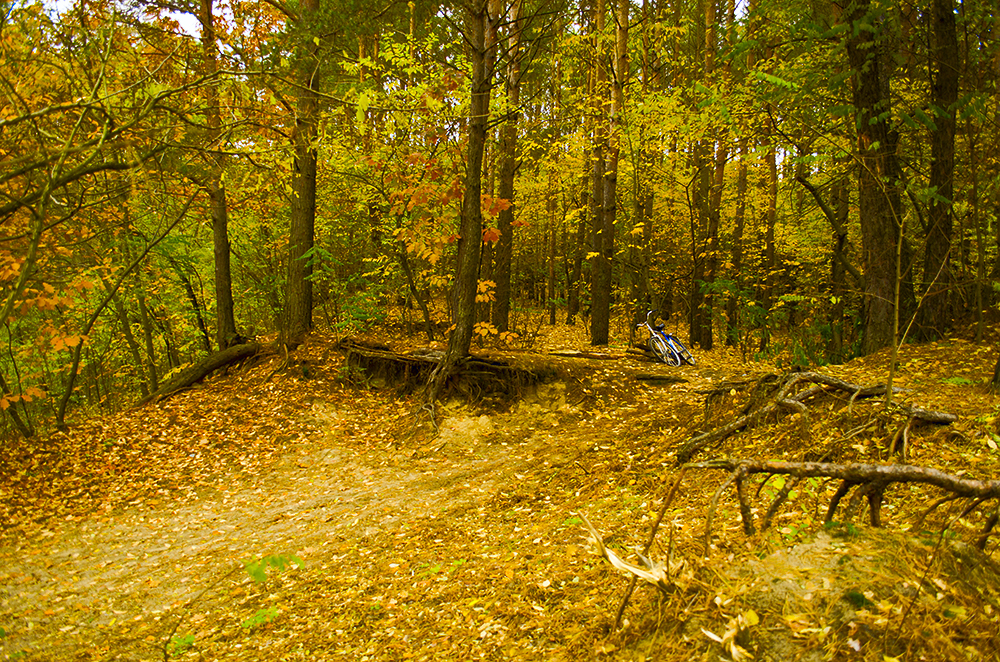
<point>465,544</point>
<point>63,590</point>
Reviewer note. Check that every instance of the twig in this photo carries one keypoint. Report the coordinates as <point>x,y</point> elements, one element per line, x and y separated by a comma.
<point>649,543</point>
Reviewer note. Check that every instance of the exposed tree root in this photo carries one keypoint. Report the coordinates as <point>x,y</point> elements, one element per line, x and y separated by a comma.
<point>471,377</point>
<point>786,398</point>
<point>871,480</point>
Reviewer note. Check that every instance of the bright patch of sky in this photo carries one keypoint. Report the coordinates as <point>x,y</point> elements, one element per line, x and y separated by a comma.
<point>188,23</point>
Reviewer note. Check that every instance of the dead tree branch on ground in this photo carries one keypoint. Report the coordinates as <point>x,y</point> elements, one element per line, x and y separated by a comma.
<point>871,480</point>
<point>787,398</point>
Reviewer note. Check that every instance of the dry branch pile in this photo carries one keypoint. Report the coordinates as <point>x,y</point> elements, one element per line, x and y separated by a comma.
<point>871,481</point>
<point>785,396</point>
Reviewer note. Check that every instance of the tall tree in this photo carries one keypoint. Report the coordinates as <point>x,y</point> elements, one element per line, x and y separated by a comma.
<point>297,318</point>
<point>508,167</point>
<point>481,19</point>
<point>603,284</point>
<point>934,316</point>
<point>225,316</point>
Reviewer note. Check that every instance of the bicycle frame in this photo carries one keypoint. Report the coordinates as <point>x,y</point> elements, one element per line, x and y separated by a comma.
<point>667,347</point>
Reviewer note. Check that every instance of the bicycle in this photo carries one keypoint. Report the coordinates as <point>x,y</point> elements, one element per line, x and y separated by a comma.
<point>667,347</point>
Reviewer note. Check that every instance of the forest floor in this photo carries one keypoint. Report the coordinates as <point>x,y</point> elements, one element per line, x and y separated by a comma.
<point>134,536</point>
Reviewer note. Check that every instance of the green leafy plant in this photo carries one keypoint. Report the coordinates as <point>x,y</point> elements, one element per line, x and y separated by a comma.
<point>179,643</point>
<point>257,569</point>
<point>261,617</point>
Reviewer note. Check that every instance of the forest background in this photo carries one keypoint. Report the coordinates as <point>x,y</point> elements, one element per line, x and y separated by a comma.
<point>806,179</point>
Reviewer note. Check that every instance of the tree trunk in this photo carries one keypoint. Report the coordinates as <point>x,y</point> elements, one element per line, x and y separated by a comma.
<point>225,320</point>
<point>192,297</point>
<point>147,336</point>
<point>508,168</point>
<point>934,316</point>
<point>708,197</point>
<point>554,194</point>
<point>995,382</point>
<point>133,344</point>
<point>598,110</point>
<point>575,251</point>
<point>481,38</point>
<point>878,196</point>
<point>699,240</point>
<point>23,425</point>
<point>600,320</point>
<point>838,272</point>
<point>739,222</point>
<point>770,217</point>
<point>297,318</point>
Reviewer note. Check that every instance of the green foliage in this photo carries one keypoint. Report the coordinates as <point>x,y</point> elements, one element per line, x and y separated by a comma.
<point>257,569</point>
<point>353,300</point>
<point>261,617</point>
<point>958,380</point>
<point>179,644</point>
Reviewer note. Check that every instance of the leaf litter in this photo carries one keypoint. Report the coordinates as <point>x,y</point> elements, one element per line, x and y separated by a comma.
<point>126,536</point>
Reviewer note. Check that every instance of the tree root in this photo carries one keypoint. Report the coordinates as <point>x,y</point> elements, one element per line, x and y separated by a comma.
<point>787,398</point>
<point>870,479</point>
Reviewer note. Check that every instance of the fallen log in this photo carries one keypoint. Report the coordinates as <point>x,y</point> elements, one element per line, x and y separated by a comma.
<point>580,354</point>
<point>657,378</point>
<point>870,479</point>
<point>202,369</point>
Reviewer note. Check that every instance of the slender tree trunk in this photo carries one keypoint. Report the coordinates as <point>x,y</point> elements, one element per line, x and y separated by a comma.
<point>980,297</point>
<point>147,335</point>
<point>579,242</point>
<point>508,168</point>
<point>225,319</point>
<point>554,190</point>
<point>934,316</point>
<point>995,382</point>
<point>133,344</point>
<point>739,222</point>
<point>600,320</point>
<point>411,283</point>
<point>23,425</point>
<point>699,240</point>
<point>481,37</point>
<point>838,272</point>
<point>297,319</point>
<point>192,297</point>
<point>770,217</point>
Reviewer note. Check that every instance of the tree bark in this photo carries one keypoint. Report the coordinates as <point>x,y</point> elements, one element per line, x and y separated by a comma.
<point>225,319</point>
<point>598,117</point>
<point>508,168</point>
<point>575,251</point>
<point>934,316</point>
<point>600,320</point>
<point>481,38</point>
<point>878,195</point>
<point>297,319</point>
<point>733,324</point>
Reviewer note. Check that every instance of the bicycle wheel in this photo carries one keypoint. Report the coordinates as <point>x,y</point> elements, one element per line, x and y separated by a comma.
<point>664,351</point>
<point>681,350</point>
